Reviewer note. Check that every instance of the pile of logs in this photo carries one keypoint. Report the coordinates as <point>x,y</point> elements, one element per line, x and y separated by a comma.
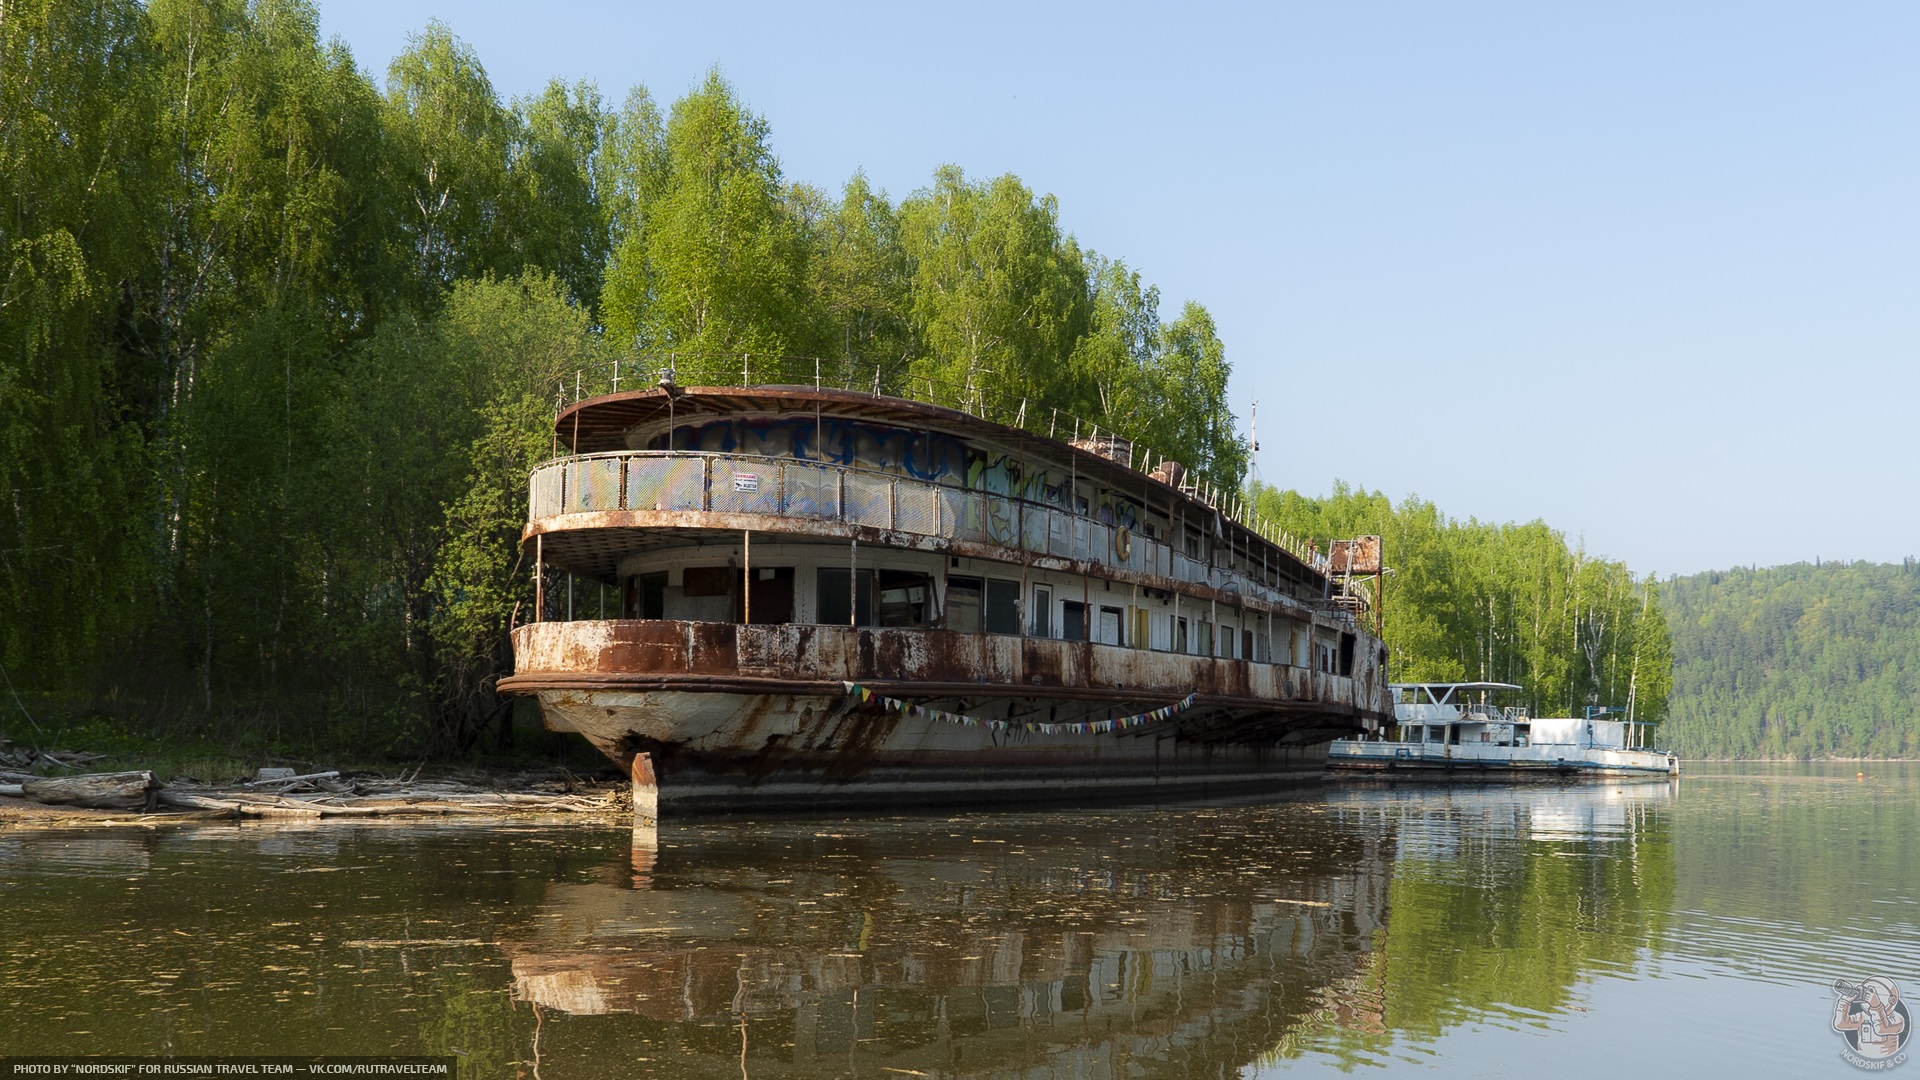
<point>311,795</point>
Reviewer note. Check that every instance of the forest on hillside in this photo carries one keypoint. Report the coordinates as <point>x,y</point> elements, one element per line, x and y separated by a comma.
<point>281,341</point>
<point>1799,661</point>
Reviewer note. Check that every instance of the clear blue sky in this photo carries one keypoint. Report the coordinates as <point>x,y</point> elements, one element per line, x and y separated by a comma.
<point>1646,271</point>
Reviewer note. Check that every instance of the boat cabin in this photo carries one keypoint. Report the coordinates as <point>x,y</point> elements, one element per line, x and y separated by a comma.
<point>1447,714</point>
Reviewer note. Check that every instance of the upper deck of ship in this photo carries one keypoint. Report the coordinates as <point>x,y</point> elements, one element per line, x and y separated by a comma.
<point>670,465</point>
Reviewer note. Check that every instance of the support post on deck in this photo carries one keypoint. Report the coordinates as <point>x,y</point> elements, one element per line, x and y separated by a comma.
<point>646,791</point>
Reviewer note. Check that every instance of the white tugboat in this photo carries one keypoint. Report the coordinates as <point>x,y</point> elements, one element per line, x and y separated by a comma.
<point>1443,731</point>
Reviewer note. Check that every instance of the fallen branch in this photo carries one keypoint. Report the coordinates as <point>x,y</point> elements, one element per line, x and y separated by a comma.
<point>109,791</point>
<point>331,774</point>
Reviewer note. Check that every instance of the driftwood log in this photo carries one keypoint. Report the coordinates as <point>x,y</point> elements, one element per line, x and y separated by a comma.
<point>105,791</point>
<point>336,798</point>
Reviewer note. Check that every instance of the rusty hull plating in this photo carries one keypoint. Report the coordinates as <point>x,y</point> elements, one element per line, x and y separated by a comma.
<point>767,545</point>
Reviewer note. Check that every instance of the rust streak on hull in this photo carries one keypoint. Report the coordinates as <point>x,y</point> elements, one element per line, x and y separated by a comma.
<point>733,717</point>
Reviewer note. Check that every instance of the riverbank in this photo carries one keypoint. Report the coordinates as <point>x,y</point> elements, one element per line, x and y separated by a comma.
<point>467,794</point>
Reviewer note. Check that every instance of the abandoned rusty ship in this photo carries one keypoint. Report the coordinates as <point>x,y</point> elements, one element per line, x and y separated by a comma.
<point>834,597</point>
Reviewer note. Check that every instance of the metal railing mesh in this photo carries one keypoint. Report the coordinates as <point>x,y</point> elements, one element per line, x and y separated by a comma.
<point>896,380</point>
<point>692,481</point>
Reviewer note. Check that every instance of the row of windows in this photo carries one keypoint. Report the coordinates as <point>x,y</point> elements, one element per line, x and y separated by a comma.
<point>908,598</point>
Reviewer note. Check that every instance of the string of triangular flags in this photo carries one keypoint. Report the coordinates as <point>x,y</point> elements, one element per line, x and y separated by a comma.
<point>1083,727</point>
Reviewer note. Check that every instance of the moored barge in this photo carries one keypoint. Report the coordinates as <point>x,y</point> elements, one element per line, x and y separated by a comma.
<point>833,597</point>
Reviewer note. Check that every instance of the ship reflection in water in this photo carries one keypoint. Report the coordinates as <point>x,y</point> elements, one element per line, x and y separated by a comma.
<point>1148,942</point>
<point>1064,943</point>
<point>1509,931</point>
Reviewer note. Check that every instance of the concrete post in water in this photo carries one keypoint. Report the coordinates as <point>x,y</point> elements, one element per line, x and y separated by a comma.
<point>646,791</point>
<point>646,852</point>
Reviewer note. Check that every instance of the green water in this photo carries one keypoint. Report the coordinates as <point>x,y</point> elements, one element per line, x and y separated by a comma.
<point>1502,931</point>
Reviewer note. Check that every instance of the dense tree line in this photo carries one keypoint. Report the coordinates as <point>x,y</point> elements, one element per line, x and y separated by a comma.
<point>1799,661</point>
<point>1470,601</point>
<point>279,343</point>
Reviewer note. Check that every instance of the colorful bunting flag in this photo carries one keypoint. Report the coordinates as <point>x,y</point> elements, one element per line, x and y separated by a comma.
<point>1160,715</point>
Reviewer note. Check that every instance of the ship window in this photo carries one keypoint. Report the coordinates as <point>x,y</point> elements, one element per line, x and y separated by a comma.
<point>1206,638</point>
<point>1112,628</point>
<point>770,594</point>
<point>1179,635</point>
<point>1073,620</point>
<point>707,594</point>
<point>707,581</point>
<point>832,598</point>
<point>1042,611</point>
<point>905,598</point>
<point>963,604</point>
<point>1346,654</point>
<point>1193,544</point>
<point>1003,606</point>
<point>648,594</point>
<point>1246,645</point>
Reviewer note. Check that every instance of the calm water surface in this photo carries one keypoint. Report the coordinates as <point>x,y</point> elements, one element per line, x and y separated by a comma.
<point>1584,930</point>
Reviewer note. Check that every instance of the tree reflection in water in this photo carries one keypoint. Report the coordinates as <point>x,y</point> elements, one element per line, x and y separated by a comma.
<point>1342,927</point>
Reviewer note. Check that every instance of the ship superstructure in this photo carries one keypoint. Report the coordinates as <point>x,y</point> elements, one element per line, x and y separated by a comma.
<point>836,597</point>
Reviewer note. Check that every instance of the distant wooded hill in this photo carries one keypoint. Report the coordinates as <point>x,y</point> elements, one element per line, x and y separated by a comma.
<point>1796,661</point>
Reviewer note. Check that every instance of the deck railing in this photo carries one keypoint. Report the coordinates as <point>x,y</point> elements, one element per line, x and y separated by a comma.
<point>742,484</point>
<point>896,380</point>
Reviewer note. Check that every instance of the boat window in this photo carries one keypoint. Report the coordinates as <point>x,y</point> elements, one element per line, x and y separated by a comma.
<point>1073,620</point>
<point>707,581</point>
<point>906,598</point>
<point>708,594</point>
<point>1246,645</point>
<point>771,594</point>
<point>963,604</point>
<point>1003,606</point>
<point>832,600</point>
<point>1042,611</point>
<point>1179,635</point>
<point>647,596</point>
<point>1111,626</point>
<point>1206,638</point>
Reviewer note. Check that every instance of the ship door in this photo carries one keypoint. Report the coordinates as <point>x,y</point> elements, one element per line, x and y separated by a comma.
<point>1073,620</point>
<point>772,594</point>
<point>1110,626</point>
<point>646,596</point>
<point>1042,611</point>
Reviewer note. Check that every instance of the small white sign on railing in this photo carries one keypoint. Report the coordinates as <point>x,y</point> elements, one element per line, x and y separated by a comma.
<point>746,482</point>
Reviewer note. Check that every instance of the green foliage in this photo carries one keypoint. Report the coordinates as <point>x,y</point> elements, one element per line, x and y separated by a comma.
<point>71,559</point>
<point>1797,661</point>
<point>278,346</point>
<point>998,294</point>
<point>1501,603</point>
<point>713,261</point>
